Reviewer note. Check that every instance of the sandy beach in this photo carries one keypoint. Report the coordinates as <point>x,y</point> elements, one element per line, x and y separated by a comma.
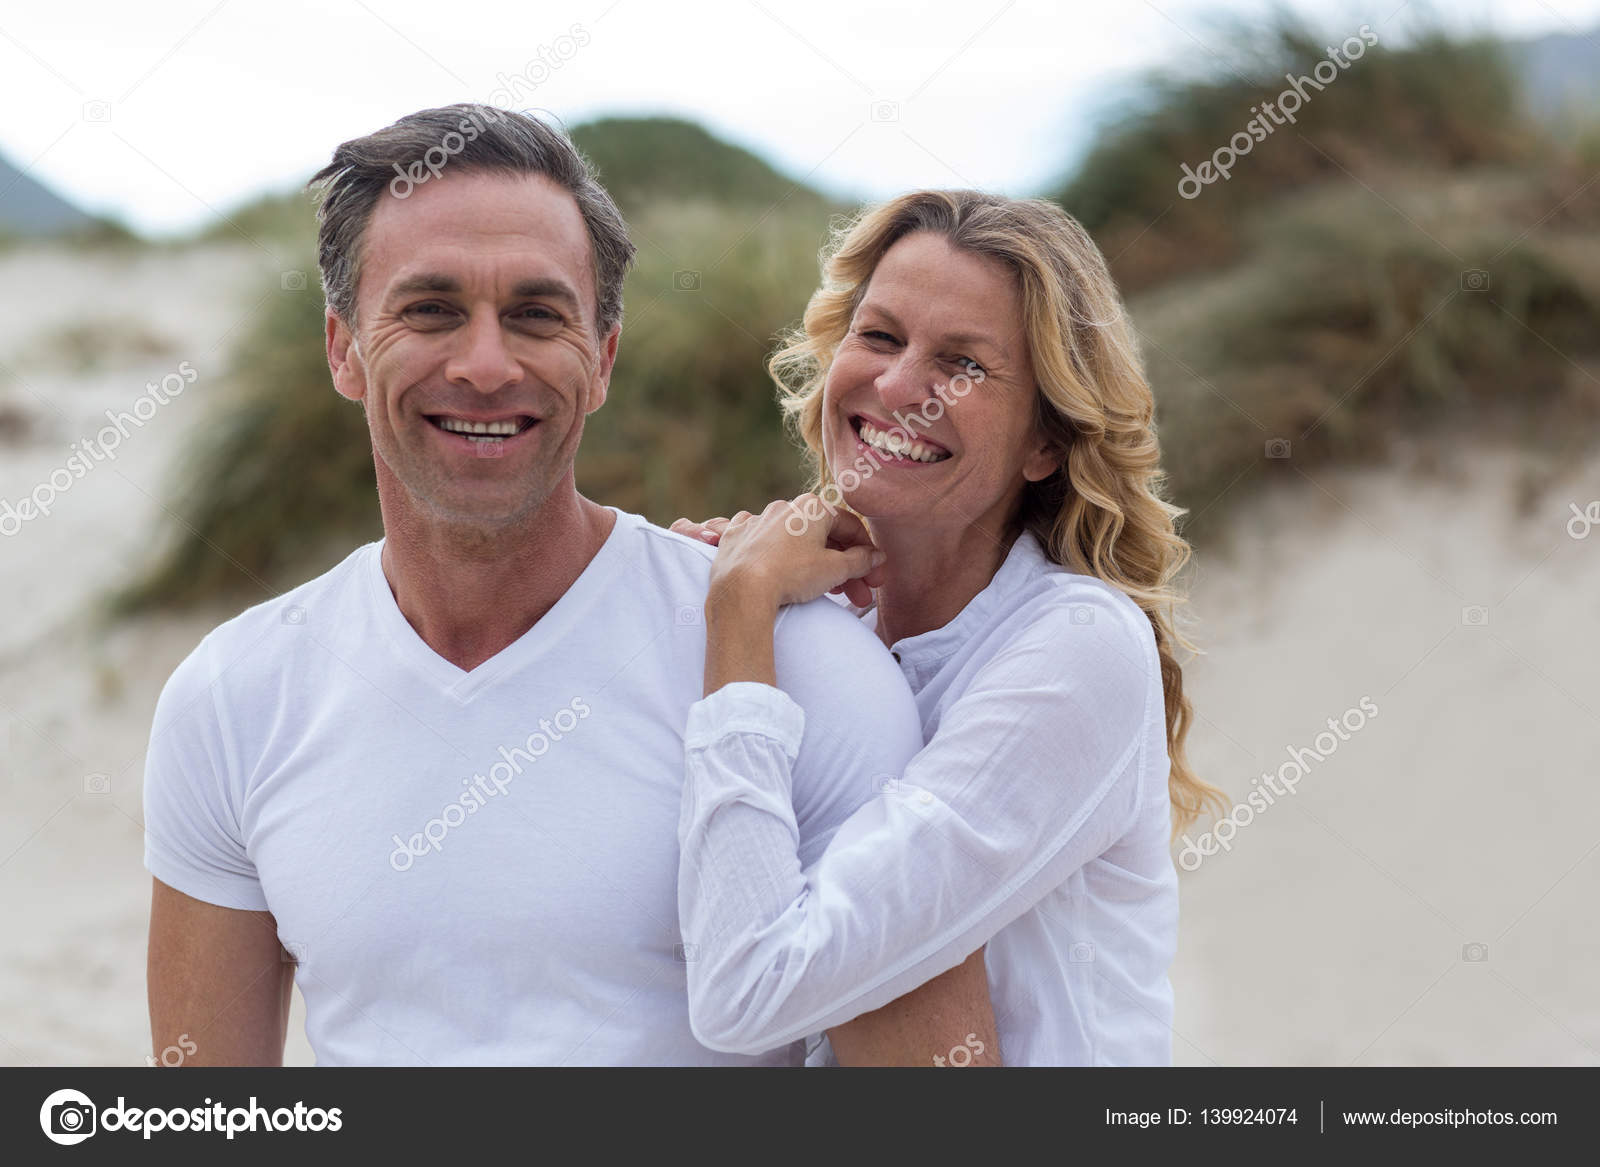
<point>1424,895</point>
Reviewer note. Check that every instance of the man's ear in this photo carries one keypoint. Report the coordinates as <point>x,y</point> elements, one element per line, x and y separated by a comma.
<point>344,359</point>
<point>602,373</point>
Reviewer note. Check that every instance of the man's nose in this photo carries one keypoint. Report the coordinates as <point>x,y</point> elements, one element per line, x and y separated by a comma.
<point>483,362</point>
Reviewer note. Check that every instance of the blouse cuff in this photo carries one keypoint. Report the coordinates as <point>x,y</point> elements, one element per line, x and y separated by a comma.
<point>746,707</point>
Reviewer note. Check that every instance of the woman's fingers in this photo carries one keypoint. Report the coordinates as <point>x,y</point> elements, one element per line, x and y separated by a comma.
<point>857,591</point>
<point>709,531</point>
<point>845,530</point>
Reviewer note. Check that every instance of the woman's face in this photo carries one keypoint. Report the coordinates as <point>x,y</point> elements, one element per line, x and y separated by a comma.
<point>928,408</point>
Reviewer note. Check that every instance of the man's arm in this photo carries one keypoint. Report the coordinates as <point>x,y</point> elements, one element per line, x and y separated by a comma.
<point>219,982</point>
<point>922,1028</point>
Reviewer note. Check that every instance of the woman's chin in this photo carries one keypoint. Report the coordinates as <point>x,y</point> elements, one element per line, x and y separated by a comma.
<point>880,501</point>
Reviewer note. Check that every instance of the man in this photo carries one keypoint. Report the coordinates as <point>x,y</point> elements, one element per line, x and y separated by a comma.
<point>439,785</point>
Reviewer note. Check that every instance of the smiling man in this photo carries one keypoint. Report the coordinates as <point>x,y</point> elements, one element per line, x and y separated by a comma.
<point>439,786</point>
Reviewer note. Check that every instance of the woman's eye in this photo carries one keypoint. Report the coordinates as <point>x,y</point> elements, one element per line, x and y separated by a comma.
<point>968,365</point>
<point>878,335</point>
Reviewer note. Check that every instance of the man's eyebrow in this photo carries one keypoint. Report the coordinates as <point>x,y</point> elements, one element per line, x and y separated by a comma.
<point>425,282</point>
<point>439,282</point>
<point>552,288</point>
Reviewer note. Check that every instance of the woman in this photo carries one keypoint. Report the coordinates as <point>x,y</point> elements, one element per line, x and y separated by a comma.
<point>967,382</point>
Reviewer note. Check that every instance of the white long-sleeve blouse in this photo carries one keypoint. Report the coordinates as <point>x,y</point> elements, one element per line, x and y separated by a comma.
<point>1035,820</point>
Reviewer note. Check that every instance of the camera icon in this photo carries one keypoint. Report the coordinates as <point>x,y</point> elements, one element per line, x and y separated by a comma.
<point>292,952</point>
<point>684,953</point>
<point>1082,614</point>
<point>97,111</point>
<point>688,615</point>
<point>885,783</point>
<point>293,281</point>
<point>886,111</point>
<point>96,784</point>
<point>1475,280</point>
<point>1081,952</point>
<point>686,281</point>
<point>294,614</point>
<point>1475,616</point>
<point>1475,953</point>
<point>1278,448</point>
<point>72,1119</point>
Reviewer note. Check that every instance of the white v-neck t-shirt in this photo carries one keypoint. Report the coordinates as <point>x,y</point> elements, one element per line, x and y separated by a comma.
<point>1035,821</point>
<point>481,867</point>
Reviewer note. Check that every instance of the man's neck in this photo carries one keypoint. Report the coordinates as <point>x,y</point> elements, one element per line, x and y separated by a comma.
<point>469,592</point>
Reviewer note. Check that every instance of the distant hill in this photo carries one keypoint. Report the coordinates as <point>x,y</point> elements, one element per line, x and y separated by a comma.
<point>644,162</point>
<point>29,208</point>
<point>649,161</point>
<point>1561,74</point>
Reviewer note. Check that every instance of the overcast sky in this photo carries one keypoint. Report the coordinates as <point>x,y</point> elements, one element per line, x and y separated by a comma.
<point>164,113</point>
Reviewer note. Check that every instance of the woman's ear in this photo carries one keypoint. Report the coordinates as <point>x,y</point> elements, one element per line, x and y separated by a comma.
<point>1043,460</point>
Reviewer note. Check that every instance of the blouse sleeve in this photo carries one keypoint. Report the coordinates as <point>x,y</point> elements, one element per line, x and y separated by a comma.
<point>1033,772</point>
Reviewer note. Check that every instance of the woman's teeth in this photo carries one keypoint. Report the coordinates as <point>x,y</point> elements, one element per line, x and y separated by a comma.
<point>896,444</point>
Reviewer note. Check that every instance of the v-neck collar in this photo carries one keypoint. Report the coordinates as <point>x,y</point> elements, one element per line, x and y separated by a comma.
<point>462,685</point>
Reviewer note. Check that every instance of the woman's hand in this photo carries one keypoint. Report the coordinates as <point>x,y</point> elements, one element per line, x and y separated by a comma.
<point>710,531</point>
<point>793,552</point>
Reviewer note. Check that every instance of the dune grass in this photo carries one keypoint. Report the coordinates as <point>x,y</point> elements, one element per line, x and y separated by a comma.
<point>1436,102</point>
<point>1413,255</point>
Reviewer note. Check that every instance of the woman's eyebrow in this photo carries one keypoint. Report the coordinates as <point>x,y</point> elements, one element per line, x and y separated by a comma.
<point>957,339</point>
<point>888,317</point>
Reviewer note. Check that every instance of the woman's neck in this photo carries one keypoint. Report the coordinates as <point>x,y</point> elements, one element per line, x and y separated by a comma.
<point>933,572</point>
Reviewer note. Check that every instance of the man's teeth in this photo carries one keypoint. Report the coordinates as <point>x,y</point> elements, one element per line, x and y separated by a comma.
<point>481,430</point>
<point>894,443</point>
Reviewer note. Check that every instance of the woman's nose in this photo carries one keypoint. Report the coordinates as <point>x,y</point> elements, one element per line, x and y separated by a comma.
<point>905,384</point>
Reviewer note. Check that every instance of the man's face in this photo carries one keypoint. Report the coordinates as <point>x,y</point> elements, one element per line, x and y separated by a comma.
<point>475,307</point>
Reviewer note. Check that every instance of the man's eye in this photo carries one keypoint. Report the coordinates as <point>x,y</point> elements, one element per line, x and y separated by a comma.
<point>430,309</point>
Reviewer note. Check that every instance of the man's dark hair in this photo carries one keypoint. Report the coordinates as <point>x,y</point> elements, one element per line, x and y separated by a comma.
<point>459,138</point>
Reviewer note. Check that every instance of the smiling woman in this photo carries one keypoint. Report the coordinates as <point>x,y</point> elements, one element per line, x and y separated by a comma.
<point>1021,570</point>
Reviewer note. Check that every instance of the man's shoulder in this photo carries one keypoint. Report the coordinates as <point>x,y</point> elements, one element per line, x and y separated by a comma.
<point>258,642</point>
<point>669,550</point>
<point>317,600</point>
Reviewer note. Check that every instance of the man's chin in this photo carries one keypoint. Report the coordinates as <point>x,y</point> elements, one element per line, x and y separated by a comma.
<point>487,509</point>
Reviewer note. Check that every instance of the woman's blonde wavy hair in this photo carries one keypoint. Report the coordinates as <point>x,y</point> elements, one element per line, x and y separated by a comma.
<point>1102,512</point>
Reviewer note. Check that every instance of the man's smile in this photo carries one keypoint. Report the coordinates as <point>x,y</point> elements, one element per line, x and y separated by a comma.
<point>482,437</point>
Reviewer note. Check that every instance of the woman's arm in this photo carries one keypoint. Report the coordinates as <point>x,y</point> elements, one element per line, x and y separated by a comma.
<point>1033,772</point>
<point>924,1026</point>
<point>920,1028</point>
